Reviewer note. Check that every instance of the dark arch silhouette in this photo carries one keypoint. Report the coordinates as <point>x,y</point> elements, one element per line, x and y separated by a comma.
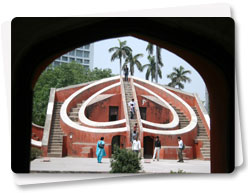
<point>206,43</point>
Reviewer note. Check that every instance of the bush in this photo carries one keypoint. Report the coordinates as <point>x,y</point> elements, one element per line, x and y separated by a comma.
<point>179,171</point>
<point>35,152</point>
<point>125,161</point>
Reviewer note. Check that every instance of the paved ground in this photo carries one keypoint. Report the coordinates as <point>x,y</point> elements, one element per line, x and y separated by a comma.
<point>90,165</point>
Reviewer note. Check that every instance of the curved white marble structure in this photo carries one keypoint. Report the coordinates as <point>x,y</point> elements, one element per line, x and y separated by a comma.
<point>89,122</point>
<point>65,118</point>
<point>170,125</point>
<point>36,143</point>
<point>193,119</point>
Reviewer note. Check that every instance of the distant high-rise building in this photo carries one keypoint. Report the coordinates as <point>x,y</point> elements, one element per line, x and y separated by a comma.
<point>206,100</point>
<point>83,55</point>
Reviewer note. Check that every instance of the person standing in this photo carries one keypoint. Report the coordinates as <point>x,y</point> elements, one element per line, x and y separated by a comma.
<point>156,149</point>
<point>100,152</point>
<point>134,135</point>
<point>135,128</point>
<point>126,73</point>
<point>180,149</point>
<point>136,146</point>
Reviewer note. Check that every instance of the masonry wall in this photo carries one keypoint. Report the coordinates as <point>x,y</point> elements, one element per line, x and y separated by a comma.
<point>37,132</point>
<point>100,111</point>
<point>154,112</point>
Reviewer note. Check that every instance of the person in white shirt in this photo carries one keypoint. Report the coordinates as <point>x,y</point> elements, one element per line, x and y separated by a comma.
<point>180,149</point>
<point>136,145</point>
<point>131,104</point>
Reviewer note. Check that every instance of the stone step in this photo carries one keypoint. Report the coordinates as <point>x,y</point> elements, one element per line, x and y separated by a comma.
<point>202,137</point>
<point>55,150</point>
<point>205,149</point>
<point>73,114</point>
<point>53,141</point>
<point>56,128</point>
<point>54,154</point>
<point>75,109</point>
<point>56,134</point>
<point>54,145</point>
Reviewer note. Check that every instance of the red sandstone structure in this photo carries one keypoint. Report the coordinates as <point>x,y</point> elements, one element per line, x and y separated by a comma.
<point>77,116</point>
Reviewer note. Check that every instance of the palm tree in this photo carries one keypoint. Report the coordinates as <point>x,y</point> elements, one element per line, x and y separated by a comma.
<point>150,48</point>
<point>151,68</point>
<point>132,61</point>
<point>120,52</point>
<point>179,76</point>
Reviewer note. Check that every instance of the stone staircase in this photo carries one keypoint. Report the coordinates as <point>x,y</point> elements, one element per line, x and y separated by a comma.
<point>129,97</point>
<point>202,136</point>
<point>73,115</point>
<point>56,135</point>
<point>183,121</point>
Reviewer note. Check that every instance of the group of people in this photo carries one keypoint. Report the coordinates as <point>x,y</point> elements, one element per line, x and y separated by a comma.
<point>136,147</point>
<point>179,151</point>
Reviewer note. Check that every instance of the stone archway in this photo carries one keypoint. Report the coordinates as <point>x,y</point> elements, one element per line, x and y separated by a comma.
<point>206,43</point>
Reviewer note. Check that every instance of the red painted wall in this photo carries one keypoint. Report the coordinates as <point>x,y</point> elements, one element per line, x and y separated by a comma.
<point>154,112</point>
<point>62,95</point>
<point>81,139</point>
<point>187,98</point>
<point>37,132</point>
<point>167,97</point>
<point>100,111</point>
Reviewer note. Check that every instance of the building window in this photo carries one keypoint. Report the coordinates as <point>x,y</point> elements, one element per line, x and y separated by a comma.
<point>86,67</point>
<point>86,61</point>
<point>86,54</point>
<point>79,53</point>
<point>87,46</point>
<point>58,59</point>
<point>71,59</point>
<point>56,63</point>
<point>72,53</point>
<point>64,58</point>
<point>80,61</point>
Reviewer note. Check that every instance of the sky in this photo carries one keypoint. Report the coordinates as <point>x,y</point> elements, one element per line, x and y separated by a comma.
<point>102,59</point>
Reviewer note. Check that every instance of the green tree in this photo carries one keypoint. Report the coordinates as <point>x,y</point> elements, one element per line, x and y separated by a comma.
<point>121,51</point>
<point>57,77</point>
<point>151,68</point>
<point>158,61</point>
<point>132,61</point>
<point>178,77</point>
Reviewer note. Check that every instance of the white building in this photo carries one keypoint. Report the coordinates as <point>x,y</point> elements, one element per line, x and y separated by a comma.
<point>83,55</point>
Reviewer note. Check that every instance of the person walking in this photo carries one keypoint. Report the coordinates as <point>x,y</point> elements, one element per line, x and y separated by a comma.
<point>157,149</point>
<point>100,152</point>
<point>180,149</point>
<point>126,73</point>
<point>131,104</point>
<point>136,146</point>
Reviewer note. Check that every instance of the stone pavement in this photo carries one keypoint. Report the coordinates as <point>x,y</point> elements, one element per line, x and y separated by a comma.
<point>90,165</point>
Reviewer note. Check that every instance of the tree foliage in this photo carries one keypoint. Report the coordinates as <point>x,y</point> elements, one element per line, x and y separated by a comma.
<point>151,68</point>
<point>57,77</point>
<point>158,61</point>
<point>121,51</point>
<point>132,61</point>
<point>125,161</point>
<point>178,77</point>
